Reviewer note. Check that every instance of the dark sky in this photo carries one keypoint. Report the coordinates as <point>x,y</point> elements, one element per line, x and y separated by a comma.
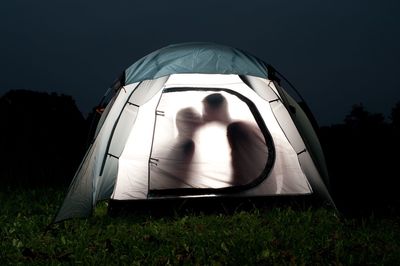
<point>336,52</point>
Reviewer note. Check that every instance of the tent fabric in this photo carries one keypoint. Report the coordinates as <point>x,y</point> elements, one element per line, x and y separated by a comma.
<point>83,192</point>
<point>130,156</point>
<point>133,178</point>
<point>259,85</point>
<point>185,158</point>
<point>308,134</point>
<point>288,127</point>
<point>203,58</point>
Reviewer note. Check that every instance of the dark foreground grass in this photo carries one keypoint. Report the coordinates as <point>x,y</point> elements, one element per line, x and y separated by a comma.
<point>276,236</point>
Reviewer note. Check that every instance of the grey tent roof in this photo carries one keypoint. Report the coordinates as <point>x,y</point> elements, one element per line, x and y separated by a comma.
<point>205,58</point>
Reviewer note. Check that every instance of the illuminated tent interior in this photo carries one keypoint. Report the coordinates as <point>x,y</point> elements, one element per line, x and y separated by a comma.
<point>198,120</point>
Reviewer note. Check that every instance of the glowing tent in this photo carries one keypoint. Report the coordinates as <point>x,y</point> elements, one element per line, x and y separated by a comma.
<point>198,119</point>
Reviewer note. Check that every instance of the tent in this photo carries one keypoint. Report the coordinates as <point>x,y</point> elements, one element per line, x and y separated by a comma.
<point>198,120</point>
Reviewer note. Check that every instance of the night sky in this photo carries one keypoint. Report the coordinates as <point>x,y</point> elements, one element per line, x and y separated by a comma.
<point>337,53</point>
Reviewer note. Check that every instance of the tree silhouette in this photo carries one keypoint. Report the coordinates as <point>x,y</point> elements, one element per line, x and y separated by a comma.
<point>362,119</point>
<point>395,116</point>
<point>362,159</point>
<point>41,136</point>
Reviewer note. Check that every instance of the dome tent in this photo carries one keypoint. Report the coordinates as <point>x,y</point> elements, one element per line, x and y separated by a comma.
<point>198,119</point>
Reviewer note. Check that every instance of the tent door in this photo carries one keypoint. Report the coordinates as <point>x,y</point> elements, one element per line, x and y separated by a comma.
<point>207,141</point>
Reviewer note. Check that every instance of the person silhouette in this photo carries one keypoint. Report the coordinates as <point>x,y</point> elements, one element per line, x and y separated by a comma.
<point>249,152</point>
<point>215,109</point>
<point>188,120</point>
<point>176,168</point>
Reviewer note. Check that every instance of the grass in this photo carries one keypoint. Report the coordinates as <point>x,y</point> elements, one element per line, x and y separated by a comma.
<point>282,236</point>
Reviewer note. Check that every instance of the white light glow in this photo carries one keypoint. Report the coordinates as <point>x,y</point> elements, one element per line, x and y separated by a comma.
<point>210,166</point>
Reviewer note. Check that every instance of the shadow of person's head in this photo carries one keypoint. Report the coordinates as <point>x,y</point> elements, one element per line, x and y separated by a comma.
<point>188,120</point>
<point>215,108</point>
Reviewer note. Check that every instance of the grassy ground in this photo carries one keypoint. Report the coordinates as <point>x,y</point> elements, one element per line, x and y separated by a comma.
<point>277,236</point>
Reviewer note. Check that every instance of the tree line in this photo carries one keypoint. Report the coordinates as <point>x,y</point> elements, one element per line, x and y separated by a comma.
<point>363,156</point>
<point>43,138</point>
